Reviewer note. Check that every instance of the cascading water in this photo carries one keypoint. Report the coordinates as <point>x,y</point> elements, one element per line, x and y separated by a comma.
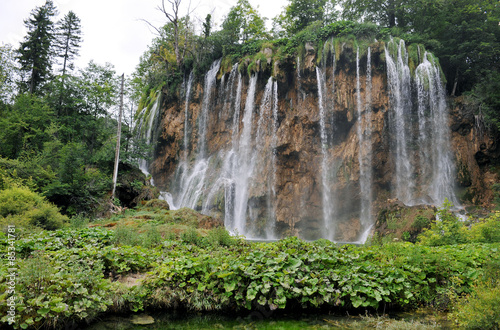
<point>328,203</point>
<point>399,81</point>
<point>186,115</point>
<point>245,162</point>
<point>272,184</point>
<point>235,167</point>
<point>151,119</point>
<point>192,181</point>
<point>424,176</point>
<point>434,141</point>
<point>365,148</point>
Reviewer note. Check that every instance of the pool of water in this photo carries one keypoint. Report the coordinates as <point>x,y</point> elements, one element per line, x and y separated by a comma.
<point>271,320</point>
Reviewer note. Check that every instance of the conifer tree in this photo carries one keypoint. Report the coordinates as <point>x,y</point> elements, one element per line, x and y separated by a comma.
<point>35,52</point>
<point>67,44</point>
<point>68,40</point>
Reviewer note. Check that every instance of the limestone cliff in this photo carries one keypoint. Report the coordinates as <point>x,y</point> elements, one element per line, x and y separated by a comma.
<point>316,150</point>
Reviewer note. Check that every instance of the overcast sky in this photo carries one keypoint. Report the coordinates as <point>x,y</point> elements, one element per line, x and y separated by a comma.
<point>112,29</point>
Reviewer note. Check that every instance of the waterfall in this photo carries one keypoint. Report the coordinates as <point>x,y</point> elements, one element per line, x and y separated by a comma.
<point>399,81</point>
<point>245,162</point>
<point>300,92</point>
<point>271,227</point>
<point>232,165</point>
<point>328,203</point>
<point>365,148</point>
<point>424,172</point>
<point>436,162</point>
<point>186,115</point>
<point>210,80</point>
<point>147,132</point>
<point>191,181</point>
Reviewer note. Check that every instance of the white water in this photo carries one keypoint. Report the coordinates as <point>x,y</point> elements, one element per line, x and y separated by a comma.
<point>364,141</point>
<point>210,80</point>
<point>192,180</point>
<point>429,166</point>
<point>147,132</point>
<point>436,162</point>
<point>186,115</point>
<point>245,162</point>
<point>328,203</point>
<point>399,81</point>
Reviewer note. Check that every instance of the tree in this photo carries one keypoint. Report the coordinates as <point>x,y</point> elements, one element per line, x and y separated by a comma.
<point>35,52</point>
<point>68,40</point>
<point>67,44</point>
<point>99,90</point>
<point>98,84</point>
<point>243,23</point>
<point>8,73</point>
<point>389,13</point>
<point>207,26</point>
<point>299,14</point>
<point>174,19</point>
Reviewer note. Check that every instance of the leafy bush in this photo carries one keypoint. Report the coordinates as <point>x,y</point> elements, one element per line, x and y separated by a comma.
<point>446,230</point>
<point>22,207</point>
<point>191,236</point>
<point>220,236</point>
<point>125,235</point>
<point>487,231</point>
<point>65,268</point>
<point>50,293</point>
<point>481,309</point>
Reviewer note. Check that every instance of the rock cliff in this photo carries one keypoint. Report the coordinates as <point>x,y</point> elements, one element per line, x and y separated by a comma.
<point>315,146</point>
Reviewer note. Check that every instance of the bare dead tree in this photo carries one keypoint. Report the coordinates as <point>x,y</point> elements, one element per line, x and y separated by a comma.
<point>174,19</point>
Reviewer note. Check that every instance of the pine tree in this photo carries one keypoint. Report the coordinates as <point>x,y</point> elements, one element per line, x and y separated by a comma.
<point>68,40</point>
<point>67,44</point>
<point>35,52</point>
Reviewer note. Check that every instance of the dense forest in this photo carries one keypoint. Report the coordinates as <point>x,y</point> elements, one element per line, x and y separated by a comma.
<point>58,134</point>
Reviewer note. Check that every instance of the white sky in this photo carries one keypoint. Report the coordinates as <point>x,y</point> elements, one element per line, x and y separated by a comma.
<point>112,29</point>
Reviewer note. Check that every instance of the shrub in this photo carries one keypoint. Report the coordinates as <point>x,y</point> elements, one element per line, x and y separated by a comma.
<point>446,230</point>
<point>22,207</point>
<point>191,236</point>
<point>220,236</point>
<point>151,237</point>
<point>487,231</point>
<point>481,309</point>
<point>126,236</point>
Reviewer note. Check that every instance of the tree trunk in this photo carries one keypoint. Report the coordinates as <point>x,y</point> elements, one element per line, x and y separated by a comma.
<point>455,82</point>
<point>118,137</point>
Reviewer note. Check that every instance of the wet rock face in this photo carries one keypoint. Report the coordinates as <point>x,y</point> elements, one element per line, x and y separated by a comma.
<point>476,150</point>
<point>295,198</point>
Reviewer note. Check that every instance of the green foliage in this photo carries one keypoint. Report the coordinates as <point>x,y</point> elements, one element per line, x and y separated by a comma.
<point>21,207</point>
<point>481,308</point>
<point>243,23</point>
<point>487,231</point>
<point>220,237</point>
<point>421,222</point>
<point>35,52</point>
<point>446,230</point>
<point>485,95</point>
<point>125,235</point>
<point>191,236</point>
<point>65,268</point>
